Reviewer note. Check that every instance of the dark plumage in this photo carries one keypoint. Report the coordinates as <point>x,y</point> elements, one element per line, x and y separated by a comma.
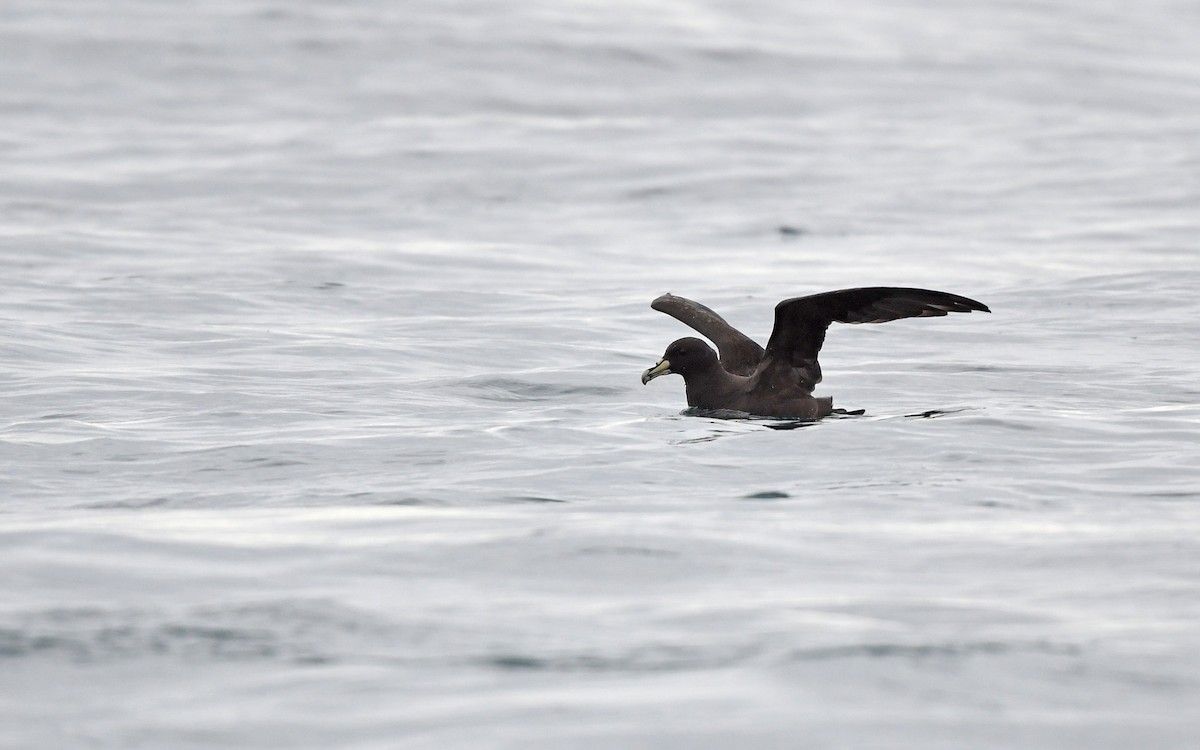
<point>778,381</point>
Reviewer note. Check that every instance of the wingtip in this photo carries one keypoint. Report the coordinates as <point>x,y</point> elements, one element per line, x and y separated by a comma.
<point>976,306</point>
<point>966,304</point>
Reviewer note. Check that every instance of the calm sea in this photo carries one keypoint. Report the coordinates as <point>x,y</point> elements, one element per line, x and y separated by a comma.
<point>322,323</point>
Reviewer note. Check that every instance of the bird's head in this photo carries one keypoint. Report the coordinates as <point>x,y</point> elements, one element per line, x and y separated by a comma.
<point>682,357</point>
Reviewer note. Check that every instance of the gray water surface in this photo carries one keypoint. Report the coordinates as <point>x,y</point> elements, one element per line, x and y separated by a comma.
<point>321,425</point>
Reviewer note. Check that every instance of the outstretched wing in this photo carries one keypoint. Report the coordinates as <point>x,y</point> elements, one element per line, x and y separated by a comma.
<point>739,353</point>
<point>800,323</point>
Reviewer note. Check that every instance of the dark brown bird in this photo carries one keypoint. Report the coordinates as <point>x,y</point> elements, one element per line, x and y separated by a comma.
<point>779,381</point>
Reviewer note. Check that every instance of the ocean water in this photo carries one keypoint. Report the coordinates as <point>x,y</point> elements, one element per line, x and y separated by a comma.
<point>322,324</point>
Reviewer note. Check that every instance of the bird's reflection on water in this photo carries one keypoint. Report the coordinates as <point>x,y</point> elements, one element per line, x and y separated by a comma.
<point>741,423</point>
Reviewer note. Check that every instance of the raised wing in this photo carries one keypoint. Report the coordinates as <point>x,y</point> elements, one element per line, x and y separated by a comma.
<point>801,322</point>
<point>739,354</point>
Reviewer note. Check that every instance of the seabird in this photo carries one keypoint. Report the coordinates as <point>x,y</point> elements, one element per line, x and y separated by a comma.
<point>778,381</point>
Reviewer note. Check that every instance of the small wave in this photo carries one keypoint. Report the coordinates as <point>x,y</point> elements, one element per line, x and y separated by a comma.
<point>515,390</point>
<point>533,499</point>
<point>291,630</point>
<point>767,495</point>
<point>934,413</point>
<point>657,658</point>
<point>917,651</point>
